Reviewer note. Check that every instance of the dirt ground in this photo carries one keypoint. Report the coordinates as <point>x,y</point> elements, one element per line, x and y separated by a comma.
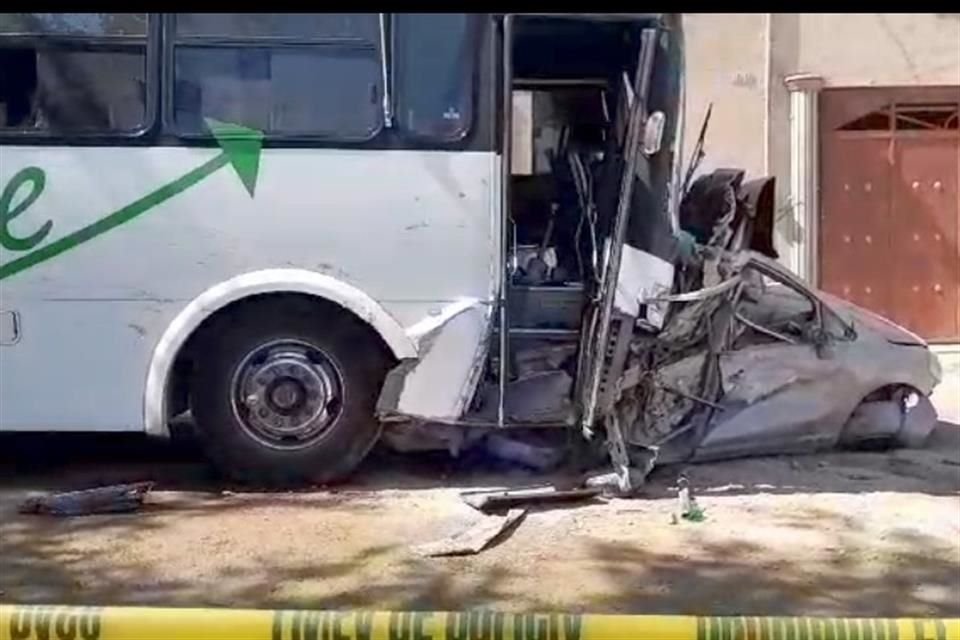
<point>857,534</point>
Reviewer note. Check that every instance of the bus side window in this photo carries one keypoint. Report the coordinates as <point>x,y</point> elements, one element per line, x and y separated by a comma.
<point>18,84</point>
<point>435,57</point>
<point>73,73</point>
<point>285,74</point>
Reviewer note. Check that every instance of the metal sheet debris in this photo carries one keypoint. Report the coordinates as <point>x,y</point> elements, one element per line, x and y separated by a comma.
<point>475,538</point>
<point>540,456</point>
<point>113,499</point>
<point>545,494</point>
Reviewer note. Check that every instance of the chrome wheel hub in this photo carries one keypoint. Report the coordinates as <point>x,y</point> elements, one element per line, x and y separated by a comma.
<point>287,394</point>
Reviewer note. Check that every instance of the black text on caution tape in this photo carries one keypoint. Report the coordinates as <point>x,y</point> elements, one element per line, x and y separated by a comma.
<point>478,625</point>
<point>752,628</point>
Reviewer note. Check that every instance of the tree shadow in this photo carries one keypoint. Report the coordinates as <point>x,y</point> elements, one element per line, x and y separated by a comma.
<point>742,578</point>
<point>907,576</point>
<point>910,574</point>
<point>42,561</point>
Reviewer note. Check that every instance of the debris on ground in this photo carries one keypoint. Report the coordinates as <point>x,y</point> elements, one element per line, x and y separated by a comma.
<point>621,483</point>
<point>475,538</point>
<point>537,455</point>
<point>505,498</point>
<point>121,498</point>
<point>688,509</point>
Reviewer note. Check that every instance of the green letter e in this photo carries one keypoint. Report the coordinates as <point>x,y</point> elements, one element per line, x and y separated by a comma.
<point>37,179</point>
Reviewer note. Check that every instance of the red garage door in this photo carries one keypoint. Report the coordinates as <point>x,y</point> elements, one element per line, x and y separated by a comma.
<point>889,231</point>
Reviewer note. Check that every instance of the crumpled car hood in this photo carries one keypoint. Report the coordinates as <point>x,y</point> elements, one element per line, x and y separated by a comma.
<point>861,317</point>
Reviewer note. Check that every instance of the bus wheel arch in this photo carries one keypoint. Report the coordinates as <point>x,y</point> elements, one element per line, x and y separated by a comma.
<point>266,287</point>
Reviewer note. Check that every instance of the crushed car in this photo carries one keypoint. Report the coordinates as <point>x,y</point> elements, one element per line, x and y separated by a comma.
<point>752,361</point>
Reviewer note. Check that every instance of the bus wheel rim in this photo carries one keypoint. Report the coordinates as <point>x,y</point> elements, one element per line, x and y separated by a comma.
<point>286,394</point>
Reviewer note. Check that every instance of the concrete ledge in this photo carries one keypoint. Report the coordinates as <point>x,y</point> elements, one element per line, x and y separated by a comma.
<point>804,82</point>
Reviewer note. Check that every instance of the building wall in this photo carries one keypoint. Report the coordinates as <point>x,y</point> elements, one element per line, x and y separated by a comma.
<point>740,62</point>
<point>725,65</point>
<point>882,49</point>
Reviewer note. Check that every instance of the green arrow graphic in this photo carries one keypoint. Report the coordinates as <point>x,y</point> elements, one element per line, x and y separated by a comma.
<point>240,148</point>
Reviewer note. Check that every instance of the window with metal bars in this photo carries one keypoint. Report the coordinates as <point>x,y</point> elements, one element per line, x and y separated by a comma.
<point>906,117</point>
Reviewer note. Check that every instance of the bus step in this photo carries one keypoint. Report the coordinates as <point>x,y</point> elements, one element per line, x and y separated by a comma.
<point>558,307</point>
<point>532,333</point>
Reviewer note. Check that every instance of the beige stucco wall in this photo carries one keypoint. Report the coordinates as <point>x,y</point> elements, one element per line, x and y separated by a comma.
<point>878,49</point>
<point>725,65</point>
<point>740,61</point>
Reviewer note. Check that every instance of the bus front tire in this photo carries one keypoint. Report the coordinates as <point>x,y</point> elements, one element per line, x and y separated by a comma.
<point>284,396</point>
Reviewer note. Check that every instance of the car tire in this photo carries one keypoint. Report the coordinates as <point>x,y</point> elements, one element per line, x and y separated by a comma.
<point>284,394</point>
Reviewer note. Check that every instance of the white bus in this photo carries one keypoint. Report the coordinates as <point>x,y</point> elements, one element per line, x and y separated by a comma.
<point>287,224</point>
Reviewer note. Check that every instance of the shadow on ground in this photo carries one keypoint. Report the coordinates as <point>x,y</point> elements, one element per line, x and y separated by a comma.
<point>910,577</point>
<point>199,545</point>
<point>908,580</point>
<point>60,462</point>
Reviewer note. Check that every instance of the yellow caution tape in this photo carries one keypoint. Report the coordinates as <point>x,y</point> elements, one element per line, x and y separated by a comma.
<point>141,623</point>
